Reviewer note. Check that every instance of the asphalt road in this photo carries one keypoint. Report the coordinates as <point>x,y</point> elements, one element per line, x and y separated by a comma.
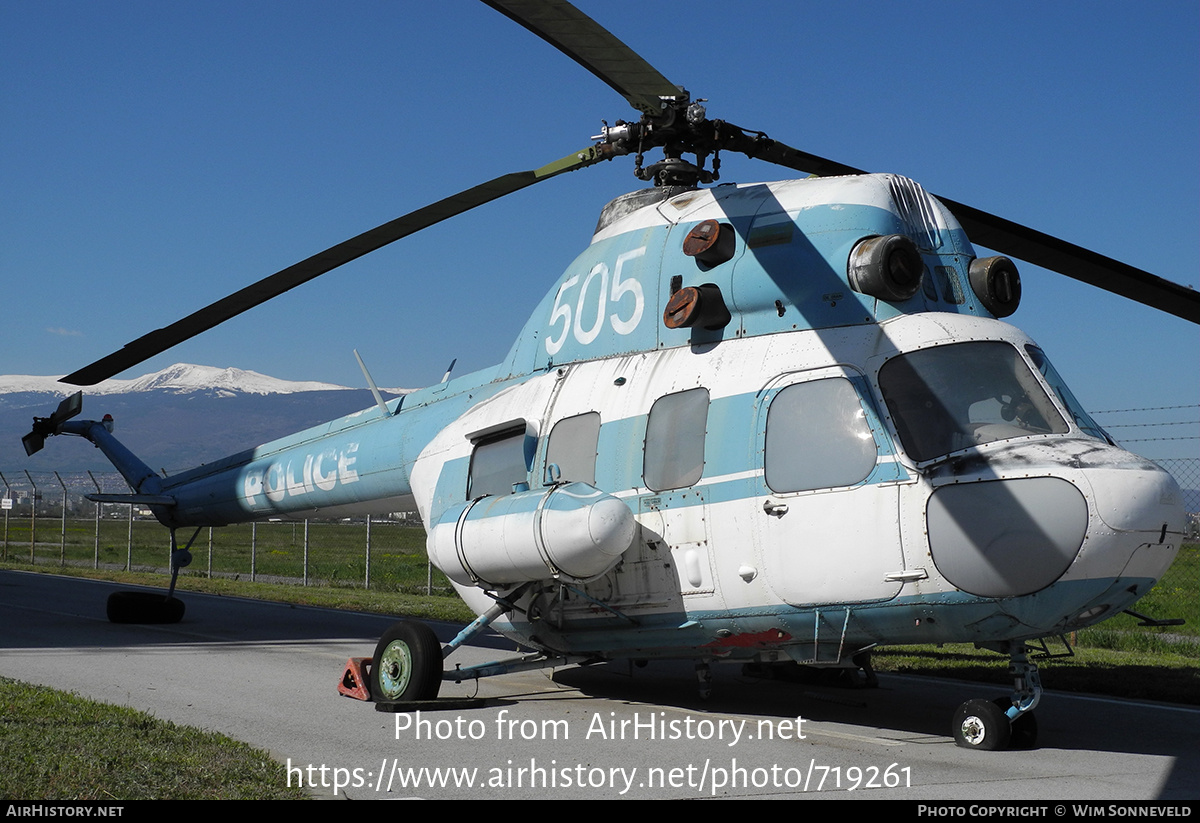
<point>267,673</point>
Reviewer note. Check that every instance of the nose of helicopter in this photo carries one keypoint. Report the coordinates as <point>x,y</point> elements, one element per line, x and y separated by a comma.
<point>1139,518</point>
<point>1035,515</point>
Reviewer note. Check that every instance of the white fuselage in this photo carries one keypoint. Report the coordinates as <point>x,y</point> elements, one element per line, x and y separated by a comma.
<point>741,562</point>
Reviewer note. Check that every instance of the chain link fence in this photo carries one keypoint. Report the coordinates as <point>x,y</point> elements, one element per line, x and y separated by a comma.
<point>49,521</point>
<point>1186,472</point>
<point>1177,594</point>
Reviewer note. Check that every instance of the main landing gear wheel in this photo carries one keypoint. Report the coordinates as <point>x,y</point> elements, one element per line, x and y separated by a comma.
<point>981,724</point>
<point>144,607</point>
<point>407,665</point>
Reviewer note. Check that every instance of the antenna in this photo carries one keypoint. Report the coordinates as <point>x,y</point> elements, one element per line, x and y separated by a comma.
<point>374,389</point>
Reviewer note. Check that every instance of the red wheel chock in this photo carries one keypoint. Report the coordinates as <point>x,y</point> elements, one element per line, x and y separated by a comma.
<point>356,679</point>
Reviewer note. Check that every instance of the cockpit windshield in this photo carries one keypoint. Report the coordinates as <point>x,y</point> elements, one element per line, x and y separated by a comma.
<point>1082,419</point>
<point>948,398</point>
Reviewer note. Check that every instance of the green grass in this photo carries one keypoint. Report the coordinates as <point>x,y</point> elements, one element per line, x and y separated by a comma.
<point>336,551</point>
<point>1177,594</point>
<point>57,746</point>
<point>427,607</point>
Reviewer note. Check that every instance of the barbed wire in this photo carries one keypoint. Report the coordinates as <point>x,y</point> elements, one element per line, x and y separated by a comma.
<point>1147,408</point>
<point>1146,425</point>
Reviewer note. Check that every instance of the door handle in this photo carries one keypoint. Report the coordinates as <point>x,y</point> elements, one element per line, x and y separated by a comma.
<point>775,509</point>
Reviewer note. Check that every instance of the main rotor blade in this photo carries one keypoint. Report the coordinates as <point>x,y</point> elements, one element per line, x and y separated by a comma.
<point>276,284</point>
<point>1007,237</point>
<point>592,46</point>
<point>760,147</point>
<point>1075,261</point>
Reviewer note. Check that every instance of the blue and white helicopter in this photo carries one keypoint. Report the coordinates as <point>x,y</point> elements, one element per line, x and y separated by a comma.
<point>773,423</point>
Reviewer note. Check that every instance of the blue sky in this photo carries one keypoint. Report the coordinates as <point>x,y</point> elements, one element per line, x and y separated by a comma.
<point>156,156</point>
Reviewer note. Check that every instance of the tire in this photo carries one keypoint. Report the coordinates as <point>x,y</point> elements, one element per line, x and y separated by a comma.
<point>144,607</point>
<point>981,724</point>
<point>407,665</point>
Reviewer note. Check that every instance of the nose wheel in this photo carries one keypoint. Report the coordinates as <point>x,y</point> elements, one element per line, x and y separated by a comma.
<point>407,666</point>
<point>1006,722</point>
<point>981,724</point>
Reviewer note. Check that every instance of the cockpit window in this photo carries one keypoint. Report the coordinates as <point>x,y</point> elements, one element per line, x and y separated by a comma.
<point>1085,423</point>
<point>952,397</point>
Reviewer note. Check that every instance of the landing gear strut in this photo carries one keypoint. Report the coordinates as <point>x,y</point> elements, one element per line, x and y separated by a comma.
<point>1006,722</point>
<point>153,607</point>
<point>407,666</point>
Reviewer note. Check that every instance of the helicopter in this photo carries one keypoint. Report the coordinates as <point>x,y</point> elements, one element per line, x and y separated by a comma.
<point>750,423</point>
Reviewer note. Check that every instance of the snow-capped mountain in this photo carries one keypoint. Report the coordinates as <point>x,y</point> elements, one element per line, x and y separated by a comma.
<point>175,418</point>
<point>180,379</point>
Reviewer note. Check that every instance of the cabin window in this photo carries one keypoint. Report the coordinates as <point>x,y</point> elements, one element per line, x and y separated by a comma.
<point>497,463</point>
<point>675,431</point>
<point>818,437</point>
<point>572,448</point>
<point>948,398</point>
